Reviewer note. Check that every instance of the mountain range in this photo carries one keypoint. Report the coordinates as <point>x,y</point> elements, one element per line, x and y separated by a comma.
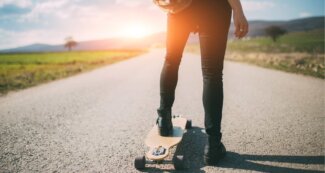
<point>256,28</point>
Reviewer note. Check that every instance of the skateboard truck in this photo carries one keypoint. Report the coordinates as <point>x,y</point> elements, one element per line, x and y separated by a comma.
<point>159,151</point>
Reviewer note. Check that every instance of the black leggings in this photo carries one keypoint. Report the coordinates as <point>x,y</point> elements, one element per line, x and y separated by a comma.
<point>211,19</point>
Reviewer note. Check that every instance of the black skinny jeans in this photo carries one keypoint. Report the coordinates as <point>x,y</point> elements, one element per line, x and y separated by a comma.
<point>211,19</point>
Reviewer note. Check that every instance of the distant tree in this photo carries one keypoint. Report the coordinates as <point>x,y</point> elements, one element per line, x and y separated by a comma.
<point>275,32</point>
<point>69,43</point>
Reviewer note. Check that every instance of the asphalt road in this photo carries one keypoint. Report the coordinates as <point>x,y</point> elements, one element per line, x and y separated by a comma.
<point>97,121</point>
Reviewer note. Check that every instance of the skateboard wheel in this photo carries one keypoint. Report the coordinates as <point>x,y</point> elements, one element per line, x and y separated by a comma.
<point>140,162</point>
<point>178,162</point>
<point>188,124</point>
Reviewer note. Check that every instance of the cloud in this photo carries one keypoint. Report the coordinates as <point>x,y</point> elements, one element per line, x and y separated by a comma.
<point>18,3</point>
<point>9,10</point>
<point>44,9</point>
<point>132,3</point>
<point>72,10</point>
<point>304,14</point>
<point>256,5</point>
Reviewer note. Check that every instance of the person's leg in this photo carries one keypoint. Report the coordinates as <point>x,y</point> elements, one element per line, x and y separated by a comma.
<point>177,35</point>
<point>213,41</point>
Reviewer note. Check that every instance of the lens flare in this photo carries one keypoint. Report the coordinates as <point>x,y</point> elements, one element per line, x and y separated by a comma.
<point>136,30</point>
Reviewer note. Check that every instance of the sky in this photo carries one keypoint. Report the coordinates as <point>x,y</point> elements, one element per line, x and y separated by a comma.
<point>24,22</point>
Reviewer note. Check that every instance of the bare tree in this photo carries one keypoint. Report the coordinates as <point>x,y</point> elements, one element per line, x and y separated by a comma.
<point>69,43</point>
<point>275,32</point>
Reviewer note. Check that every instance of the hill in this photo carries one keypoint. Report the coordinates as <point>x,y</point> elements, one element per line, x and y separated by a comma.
<point>256,29</point>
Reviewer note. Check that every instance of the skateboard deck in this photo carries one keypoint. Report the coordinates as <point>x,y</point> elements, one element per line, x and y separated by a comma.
<point>159,146</point>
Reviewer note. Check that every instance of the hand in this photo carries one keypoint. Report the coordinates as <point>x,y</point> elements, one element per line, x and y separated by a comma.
<point>241,24</point>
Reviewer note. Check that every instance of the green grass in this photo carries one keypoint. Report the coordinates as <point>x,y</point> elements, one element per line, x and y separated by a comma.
<point>311,42</point>
<point>301,63</point>
<point>298,52</point>
<point>18,71</point>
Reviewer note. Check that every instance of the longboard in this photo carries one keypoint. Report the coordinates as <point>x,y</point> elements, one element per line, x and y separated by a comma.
<point>159,146</point>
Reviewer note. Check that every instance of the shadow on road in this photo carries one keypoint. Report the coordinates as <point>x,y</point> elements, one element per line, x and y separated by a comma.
<point>245,162</point>
<point>192,148</point>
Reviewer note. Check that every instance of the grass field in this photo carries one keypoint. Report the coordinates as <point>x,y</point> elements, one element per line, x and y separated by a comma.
<point>298,52</point>
<point>18,71</point>
<point>311,42</point>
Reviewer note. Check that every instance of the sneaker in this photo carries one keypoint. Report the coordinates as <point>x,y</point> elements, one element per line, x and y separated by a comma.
<point>214,151</point>
<point>164,122</point>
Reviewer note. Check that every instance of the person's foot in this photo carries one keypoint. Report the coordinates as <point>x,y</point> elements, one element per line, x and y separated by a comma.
<point>214,151</point>
<point>164,122</point>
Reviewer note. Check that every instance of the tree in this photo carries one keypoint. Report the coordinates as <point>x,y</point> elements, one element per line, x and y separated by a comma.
<point>69,43</point>
<point>275,32</point>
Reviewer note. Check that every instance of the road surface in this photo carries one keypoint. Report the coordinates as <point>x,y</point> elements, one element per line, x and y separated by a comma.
<point>96,121</point>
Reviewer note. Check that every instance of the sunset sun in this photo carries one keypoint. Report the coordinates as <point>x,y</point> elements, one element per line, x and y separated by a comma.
<point>136,30</point>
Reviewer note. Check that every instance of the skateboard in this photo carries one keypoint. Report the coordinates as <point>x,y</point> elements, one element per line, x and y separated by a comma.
<point>159,146</point>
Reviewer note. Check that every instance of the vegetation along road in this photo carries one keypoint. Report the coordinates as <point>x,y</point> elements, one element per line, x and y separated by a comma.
<point>297,52</point>
<point>22,70</point>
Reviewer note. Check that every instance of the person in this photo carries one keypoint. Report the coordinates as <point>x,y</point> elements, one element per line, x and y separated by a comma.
<point>211,19</point>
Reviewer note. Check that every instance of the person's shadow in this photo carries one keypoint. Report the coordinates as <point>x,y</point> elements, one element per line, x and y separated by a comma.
<point>245,162</point>
<point>192,148</point>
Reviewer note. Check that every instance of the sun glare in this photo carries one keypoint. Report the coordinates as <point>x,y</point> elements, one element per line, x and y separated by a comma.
<point>136,31</point>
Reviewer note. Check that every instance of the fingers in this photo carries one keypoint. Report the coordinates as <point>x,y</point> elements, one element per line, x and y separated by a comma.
<point>241,30</point>
<point>237,31</point>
